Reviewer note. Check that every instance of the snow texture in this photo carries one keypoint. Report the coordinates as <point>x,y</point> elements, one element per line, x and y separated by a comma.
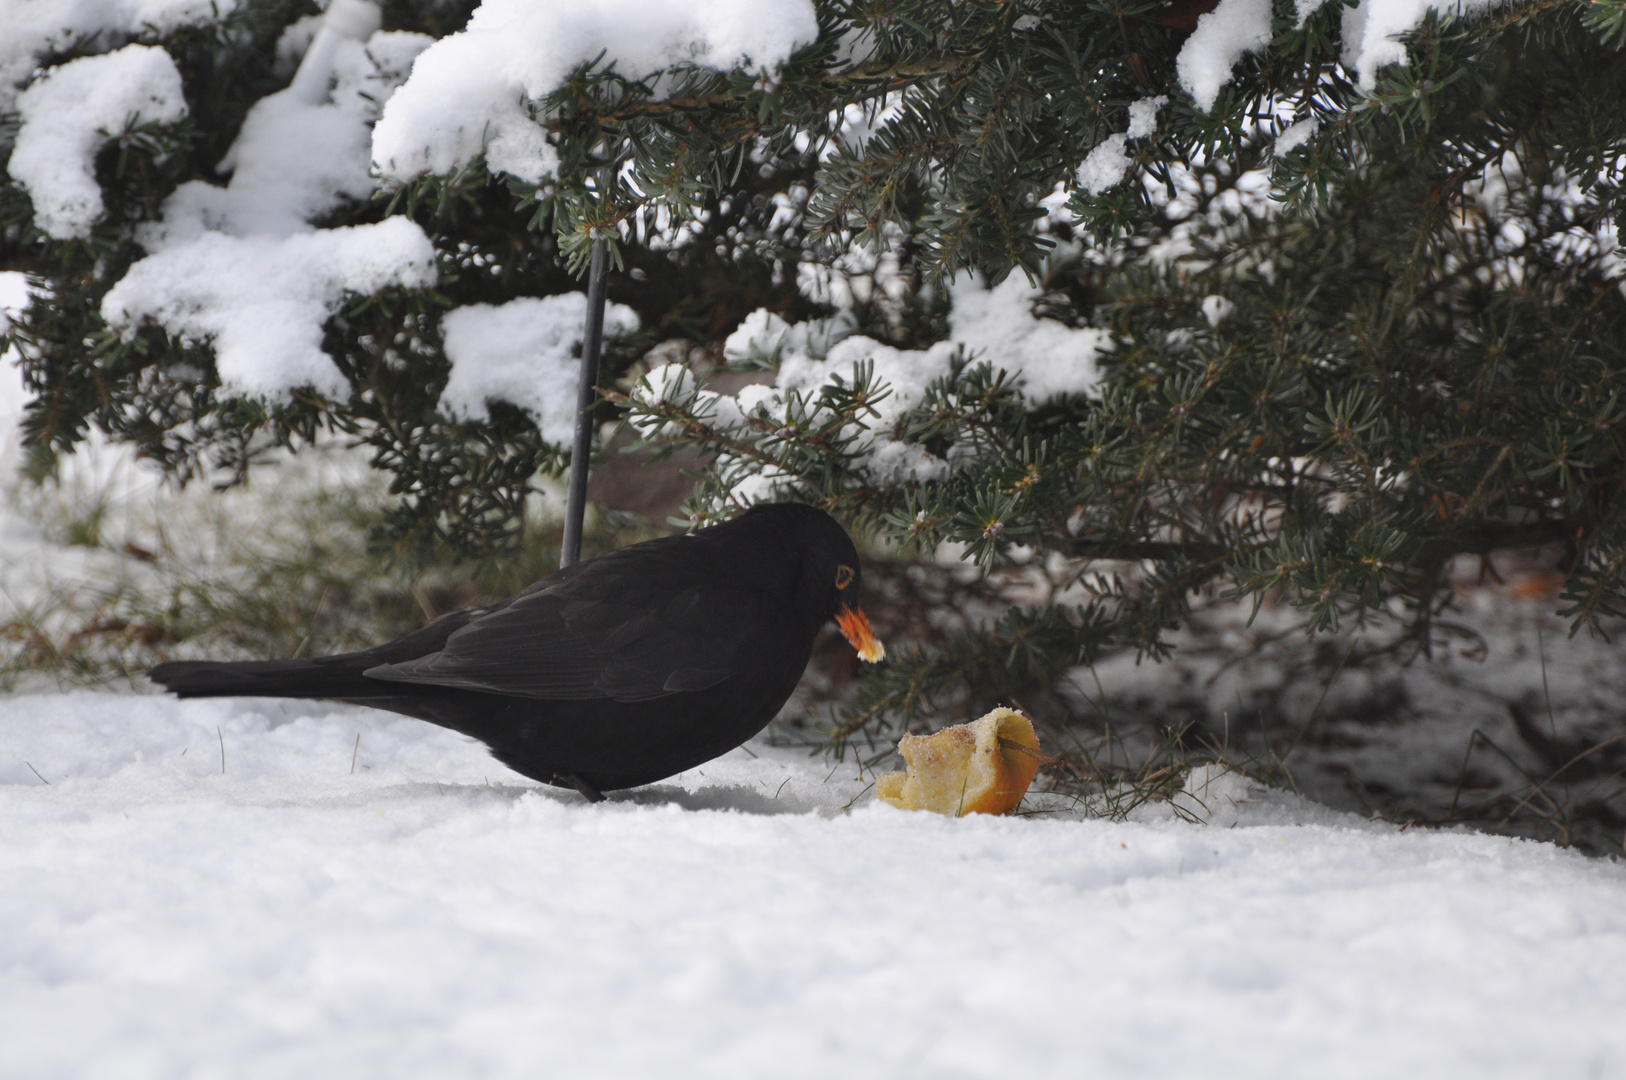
<point>1295,136</point>
<point>1105,165</point>
<point>14,297</point>
<point>526,352</point>
<point>1370,30</point>
<point>1216,309</point>
<point>473,91</point>
<point>294,162</point>
<point>242,267</point>
<point>69,112</point>
<point>35,27</point>
<point>1222,37</point>
<point>1107,162</point>
<point>212,888</point>
<point>1045,358</point>
<point>262,300</point>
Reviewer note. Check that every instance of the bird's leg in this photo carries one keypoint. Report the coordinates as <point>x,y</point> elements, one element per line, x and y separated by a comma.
<point>588,791</point>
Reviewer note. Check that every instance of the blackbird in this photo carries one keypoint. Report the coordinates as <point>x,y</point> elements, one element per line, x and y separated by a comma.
<point>613,672</point>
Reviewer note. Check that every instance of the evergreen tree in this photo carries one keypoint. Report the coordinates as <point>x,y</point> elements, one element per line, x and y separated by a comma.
<point>1363,294</point>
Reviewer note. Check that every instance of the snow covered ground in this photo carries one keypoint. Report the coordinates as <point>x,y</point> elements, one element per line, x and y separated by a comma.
<point>410,908</point>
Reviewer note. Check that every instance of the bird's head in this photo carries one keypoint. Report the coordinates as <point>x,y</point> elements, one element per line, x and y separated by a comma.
<point>830,568</point>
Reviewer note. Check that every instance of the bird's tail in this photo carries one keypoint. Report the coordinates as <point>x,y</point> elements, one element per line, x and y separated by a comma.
<point>338,677</point>
<point>328,677</point>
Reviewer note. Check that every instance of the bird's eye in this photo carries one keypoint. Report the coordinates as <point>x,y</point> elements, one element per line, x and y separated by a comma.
<point>844,576</point>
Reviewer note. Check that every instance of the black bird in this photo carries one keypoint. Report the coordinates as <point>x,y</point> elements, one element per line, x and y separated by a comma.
<point>613,672</point>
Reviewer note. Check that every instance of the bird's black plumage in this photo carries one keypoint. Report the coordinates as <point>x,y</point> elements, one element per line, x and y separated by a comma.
<point>610,673</point>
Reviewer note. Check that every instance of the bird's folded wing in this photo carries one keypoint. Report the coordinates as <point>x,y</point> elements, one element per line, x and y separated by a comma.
<point>559,644</point>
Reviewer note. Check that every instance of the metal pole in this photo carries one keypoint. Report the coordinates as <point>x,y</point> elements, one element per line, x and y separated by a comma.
<point>586,397</point>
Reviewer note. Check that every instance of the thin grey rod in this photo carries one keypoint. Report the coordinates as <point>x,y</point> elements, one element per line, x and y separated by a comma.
<point>586,397</point>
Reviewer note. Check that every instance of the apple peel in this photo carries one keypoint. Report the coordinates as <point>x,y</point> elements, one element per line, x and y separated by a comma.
<point>983,767</point>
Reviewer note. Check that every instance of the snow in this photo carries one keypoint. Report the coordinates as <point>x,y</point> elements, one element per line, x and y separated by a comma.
<point>1105,165</point>
<point>1222,37</point>
<point>1371,27</point>
<point>262,300</point>
<point>1294,136</point>
<point>294,162</point>
<point>473,91</point>
<point>1044,357</point>
<point>405,907</point>
<point>1216,309</point>
<point>1048,358</point>
<point>526,352</point>
<point>36,27</point>
<point>13,299</point>
<point>69,112</point>
<point>13,296</point>
<point>1369,32</point>
<point>242,266</point>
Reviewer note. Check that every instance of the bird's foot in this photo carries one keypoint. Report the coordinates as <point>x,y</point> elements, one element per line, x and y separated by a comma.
<point>588,791</point>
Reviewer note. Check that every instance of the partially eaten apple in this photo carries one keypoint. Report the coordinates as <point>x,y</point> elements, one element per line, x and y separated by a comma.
<point>983,767</point>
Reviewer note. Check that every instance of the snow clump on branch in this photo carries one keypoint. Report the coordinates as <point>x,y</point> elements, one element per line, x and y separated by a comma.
<point>241,266</point>
<point>69,112</point>
<point>1371,32</point>
<point>473,92</point>
<point>30,29</point>
<point>1044,359</point>
<point>262,300</point>
<point>522,352</point>
<point>1108,162</point>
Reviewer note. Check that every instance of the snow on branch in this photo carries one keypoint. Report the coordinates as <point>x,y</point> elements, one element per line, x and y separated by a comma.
<point>1222,37</point>
<point>32,28</point>
<point>241,266</point>
<point>473,91</point>
<point>523,352</point>
<point>262,300</point>
<point>860,396</point>
<point>1372,29</point>
<point>66,116</point>
<point>1371,32</point>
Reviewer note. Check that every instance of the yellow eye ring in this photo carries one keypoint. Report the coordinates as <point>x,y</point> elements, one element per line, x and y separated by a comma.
<point>844,576</point>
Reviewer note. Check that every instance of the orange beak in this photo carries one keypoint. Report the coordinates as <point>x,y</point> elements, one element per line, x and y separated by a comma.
<point>855,627</point>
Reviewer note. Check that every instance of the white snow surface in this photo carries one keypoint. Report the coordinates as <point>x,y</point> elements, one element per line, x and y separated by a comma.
<point>409,908</point>
<point>262,300</point>
<point>241,265</point>
<point>1371,27</point>
<point>294,162</point>
<point>524,352</point>
<point>1044,357</point>
<point>1294,136</point>
<point>1369,31</point>
<point>14,297</point>
<point>69,112</point>
<point>34,27</point>
<point>1223,36</point>
<point>1106,164</point>
<point>472,91</point>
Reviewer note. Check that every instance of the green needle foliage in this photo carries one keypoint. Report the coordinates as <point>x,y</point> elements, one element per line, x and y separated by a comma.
<point>1338,362</point>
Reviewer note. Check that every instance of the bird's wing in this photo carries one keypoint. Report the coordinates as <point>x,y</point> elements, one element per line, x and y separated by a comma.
<point>604,633</point>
